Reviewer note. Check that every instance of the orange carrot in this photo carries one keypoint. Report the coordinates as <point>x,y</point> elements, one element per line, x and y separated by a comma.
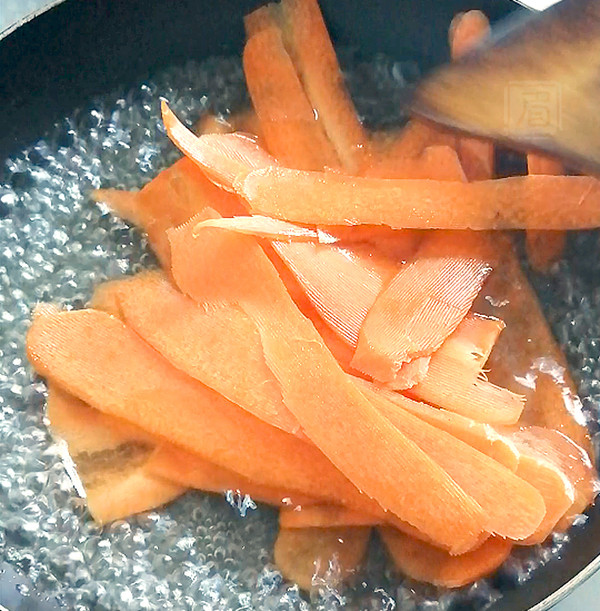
<point>470,345</point>
<point>481,400</point>
<point>315,557</point>
<point>527,352</point>
<point>214,124</point>
<point>334,415</point>
<point>313,54</point>
<point>482,437</point>
<point>513,507</point>
<point>342,283</point>
<point>111,457</point>
<point>291,129</point>
<point>87,430</point>
<point>573,461</point>
<point>411,141</point>
<point>274,229</point>
<point>244,121</point>
<point>427,563</point>
<point>422,305</point>
<point>454,382</point>
<point>435,162</point>
<point>467,30</point>
<point>556,489</point>
<point>174,196</point>
<point>520,202</point>
<point>67,346</point>
<point>193,471</point>
<point>106,297</point>
<point>541,164</point>
<point>222,157</point>
<point>544,247</point>
<point>323,516</point>
<point>247,122</point>
<point>327,274</point>
<point>313,266</point>
<point>219,347</point>
<point>102,362</point>
<point>410,374</point>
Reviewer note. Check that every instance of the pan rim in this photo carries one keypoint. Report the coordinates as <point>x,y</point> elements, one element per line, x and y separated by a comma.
<point>25,19</point>
<point>568,588</point>
<point>547,603</point>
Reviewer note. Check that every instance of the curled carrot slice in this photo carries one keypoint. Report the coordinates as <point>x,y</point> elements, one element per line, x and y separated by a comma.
<point>422,305</point>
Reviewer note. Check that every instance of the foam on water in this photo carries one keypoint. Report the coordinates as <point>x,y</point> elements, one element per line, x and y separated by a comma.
<point>55,245</point>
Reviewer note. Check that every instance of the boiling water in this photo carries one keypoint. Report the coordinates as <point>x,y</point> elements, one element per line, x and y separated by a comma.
<point>56,245</point>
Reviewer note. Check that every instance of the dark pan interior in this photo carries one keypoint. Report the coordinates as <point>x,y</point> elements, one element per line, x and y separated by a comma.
<point>82,48</point>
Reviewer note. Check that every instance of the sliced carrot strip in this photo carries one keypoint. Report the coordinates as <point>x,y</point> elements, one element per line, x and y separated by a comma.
<point>266,227</point>
<point>247,122</point>
<point>262,18</point>
<point>412,140</point>
<point>427,563</point>
<point>219,347</point>
<point>544,247</point>
<point>98,359</point>
<point>314,267</point>
<point>111,457</point>
<point>313,54</point>
<point>526,358</point>
<point>222,157</point>
<point>193,471</point>
<point>556,489</point>
<point>175,195</point>
<point>311,265</point>
<point>324,516</point>
<point>214,124</point>
<point>435,162</point>
<point>410,374</point>
<point>342,283</point>
<point>334,415</point>
<point>244,121</point>
<point>423,304</point>
<point>106,297</point>
<point>379,239</point>
<point>453,380</point>
<point>467,30</point>
<point>291,129</point>
<point>570,458</point>
<point>314,557</point>
<point>513,507</point>
<point>481,400</point>
<point>520,202</point>
<point>482,437</point>
<point>467,349</point>
<point>540,164</point>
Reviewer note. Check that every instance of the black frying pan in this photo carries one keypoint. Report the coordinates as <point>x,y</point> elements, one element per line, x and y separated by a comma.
<point>80,48</point>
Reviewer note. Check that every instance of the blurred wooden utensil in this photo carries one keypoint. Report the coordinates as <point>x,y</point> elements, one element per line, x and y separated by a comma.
<point>535,85</point>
